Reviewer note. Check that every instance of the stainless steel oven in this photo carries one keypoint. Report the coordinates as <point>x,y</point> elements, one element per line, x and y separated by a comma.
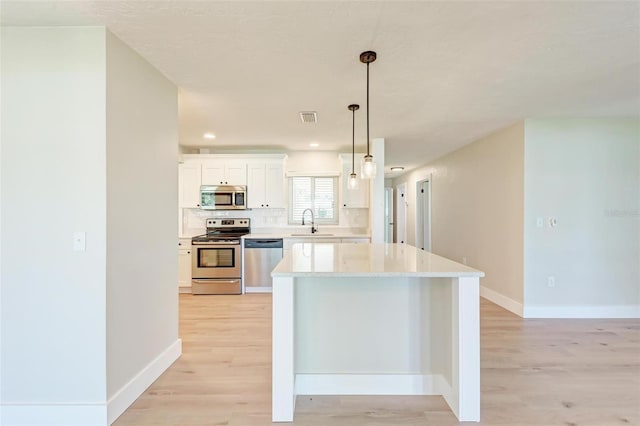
<point>217,257</point>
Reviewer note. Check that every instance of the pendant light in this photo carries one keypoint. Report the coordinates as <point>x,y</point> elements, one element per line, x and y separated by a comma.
<point>353,179</point>
<point>368,165</point>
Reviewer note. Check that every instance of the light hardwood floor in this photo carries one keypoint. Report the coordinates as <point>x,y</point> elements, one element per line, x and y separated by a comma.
<point>534,372</point>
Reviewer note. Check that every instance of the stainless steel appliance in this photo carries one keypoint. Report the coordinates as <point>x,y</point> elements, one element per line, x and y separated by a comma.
<point>217,257</point>
<point>223,197</point>
<point>260,257</point>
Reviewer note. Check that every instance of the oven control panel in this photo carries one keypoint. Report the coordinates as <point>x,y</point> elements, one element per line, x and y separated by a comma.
<point>231,223</point>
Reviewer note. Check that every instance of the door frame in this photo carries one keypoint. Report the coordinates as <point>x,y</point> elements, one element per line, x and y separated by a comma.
<point>389,214</point>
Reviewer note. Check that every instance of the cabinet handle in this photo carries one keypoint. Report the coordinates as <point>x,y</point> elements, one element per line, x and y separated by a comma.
<point>267,205</point>
<point>179,244</point>
<point>344,205</point>
<point>261,205</point>
<point>198,205</point>
<point>188,252</point>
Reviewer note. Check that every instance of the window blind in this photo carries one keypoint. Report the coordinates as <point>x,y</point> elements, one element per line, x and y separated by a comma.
<point>316,193</point>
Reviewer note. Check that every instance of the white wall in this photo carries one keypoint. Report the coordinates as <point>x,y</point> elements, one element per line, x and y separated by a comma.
<point>142,194</point>
<point>53,183</point>
<point>585,173</point>
<point>376,196</point>
<point>477,196</point>
<point>89,143</point>
<point>313,162</point>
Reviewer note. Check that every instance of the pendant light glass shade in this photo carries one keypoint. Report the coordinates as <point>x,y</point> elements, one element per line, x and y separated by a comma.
<point>353,178</point>
<point>353,181</point>
<point>368,165</point>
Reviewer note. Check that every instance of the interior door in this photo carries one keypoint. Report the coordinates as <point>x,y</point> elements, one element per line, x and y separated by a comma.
<point>401,213</point>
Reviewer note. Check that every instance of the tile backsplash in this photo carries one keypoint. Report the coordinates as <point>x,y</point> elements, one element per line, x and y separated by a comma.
<point>194,219</point>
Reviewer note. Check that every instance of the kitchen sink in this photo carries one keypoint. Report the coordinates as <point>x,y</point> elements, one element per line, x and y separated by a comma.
<point>317,234</point>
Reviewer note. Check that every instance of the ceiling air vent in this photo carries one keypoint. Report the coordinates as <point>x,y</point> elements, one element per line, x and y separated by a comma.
<point>309,116</point>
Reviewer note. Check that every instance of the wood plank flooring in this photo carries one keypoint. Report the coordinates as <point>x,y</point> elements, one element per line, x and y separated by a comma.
<point>534,372</point>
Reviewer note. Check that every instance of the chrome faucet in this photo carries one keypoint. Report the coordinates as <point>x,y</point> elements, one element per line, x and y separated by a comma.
<point>313,227</point>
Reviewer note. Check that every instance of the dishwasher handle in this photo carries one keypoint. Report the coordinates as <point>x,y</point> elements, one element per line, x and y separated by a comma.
<point>266,243</point>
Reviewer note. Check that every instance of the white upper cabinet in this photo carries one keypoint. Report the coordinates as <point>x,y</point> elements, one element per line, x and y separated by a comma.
<point>224,172</point>
<point>353,198</point>
<point>265,184</point>
<point>189,176</point>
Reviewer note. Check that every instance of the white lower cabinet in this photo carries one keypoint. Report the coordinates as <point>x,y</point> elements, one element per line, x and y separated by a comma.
<point>184,265</point>
<point>355,240</point>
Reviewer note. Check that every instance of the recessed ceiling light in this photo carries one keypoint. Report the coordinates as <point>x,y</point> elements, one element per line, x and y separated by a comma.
<point>314,144</point>
<point>397,169</point>
<point>209,136</point>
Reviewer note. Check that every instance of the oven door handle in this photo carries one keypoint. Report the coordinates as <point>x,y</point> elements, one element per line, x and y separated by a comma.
<point>217,243</point>
<point>215,280</point>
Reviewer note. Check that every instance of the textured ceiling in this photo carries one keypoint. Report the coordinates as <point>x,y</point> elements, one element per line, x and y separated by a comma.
<point>447,73</point>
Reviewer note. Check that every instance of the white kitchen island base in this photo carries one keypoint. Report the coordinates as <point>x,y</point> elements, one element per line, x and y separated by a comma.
<point>375,319</point>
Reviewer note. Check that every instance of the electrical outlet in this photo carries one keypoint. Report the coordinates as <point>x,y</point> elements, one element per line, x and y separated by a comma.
<point>551,281</point>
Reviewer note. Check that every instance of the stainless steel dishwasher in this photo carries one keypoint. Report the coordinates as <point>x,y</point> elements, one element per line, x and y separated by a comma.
<point>260,257</point>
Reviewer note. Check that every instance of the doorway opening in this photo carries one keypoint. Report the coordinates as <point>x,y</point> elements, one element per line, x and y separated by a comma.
<point>401,214</point>
<point>423,214</point>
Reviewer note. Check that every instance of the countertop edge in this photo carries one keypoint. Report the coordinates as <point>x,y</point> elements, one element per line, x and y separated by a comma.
<point>302,237</point>
<point>379,274</point>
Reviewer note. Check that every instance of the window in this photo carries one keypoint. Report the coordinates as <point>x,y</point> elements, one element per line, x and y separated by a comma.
<point>316,193</point>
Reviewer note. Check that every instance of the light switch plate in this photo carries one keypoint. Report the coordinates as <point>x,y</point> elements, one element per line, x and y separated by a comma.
<point>79,241</point>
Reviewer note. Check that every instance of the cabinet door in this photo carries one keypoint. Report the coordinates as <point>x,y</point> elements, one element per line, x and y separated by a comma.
<point>255,185</point>
<point>213,172</point>
<point>189,177</point>
<point>274,185</point>
<point>184,269</point>
<point>354,198</point>
<point>235,173</point>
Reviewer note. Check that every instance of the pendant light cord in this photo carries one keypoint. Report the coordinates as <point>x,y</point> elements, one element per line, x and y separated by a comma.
<point>353,141</point>
<point>368,108</point>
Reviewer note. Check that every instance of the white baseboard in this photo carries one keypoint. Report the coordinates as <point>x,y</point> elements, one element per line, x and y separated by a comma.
<point>501,300</point>
<point>258,290</point>
<point>370,384</point>
<point>447,393</point>
<point>90,413</point>
<point>611,311</point>
<point>54,414</point>
<point>125,396</point>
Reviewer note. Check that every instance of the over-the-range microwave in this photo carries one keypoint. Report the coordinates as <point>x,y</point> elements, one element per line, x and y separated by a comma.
<point>223,197</point>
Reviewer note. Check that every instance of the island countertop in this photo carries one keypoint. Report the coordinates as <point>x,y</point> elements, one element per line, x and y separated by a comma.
<point>367,260</point>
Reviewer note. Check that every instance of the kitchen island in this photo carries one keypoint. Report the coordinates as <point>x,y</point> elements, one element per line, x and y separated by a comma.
<point>374,319</point>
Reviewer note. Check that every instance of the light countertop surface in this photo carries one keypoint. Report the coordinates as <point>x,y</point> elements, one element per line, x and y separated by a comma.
<point>367,260</point>
<point>319,236</point>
